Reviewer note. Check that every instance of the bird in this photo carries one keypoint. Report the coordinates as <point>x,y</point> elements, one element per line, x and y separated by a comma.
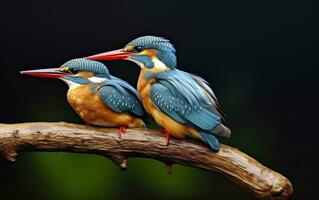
<point>99,98</point>
<point>182,103</point>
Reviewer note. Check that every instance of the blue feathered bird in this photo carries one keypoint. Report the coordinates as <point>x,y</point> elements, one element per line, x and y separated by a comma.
<point>180,102</point>
<point>96,96</point>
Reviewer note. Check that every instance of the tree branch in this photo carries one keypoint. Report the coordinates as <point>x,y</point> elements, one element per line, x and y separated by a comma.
<point>238,167</point>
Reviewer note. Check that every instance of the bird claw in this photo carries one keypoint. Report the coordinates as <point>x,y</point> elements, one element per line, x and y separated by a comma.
<point>122,130</point>
<point>168,166</point>
<point>167,135</point>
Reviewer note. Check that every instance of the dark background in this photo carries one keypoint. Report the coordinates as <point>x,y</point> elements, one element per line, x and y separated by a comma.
<point>260,57</point>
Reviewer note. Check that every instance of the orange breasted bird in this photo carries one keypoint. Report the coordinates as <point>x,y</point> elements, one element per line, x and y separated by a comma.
<point>96,96</point>
<point>180,102</point>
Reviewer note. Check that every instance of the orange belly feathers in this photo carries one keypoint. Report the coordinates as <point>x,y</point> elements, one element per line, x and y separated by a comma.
<point>88,105</point>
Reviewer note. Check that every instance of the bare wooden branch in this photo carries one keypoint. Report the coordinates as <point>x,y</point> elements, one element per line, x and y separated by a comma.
<point>248,173</point>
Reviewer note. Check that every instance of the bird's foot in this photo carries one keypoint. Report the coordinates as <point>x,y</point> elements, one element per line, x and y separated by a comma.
<point>167,135</point>
<point>122,130</point>
<point>168,166</point>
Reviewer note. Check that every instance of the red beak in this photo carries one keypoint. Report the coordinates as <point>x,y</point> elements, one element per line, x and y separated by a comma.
<point>45,73</point>
<point>111,55</point>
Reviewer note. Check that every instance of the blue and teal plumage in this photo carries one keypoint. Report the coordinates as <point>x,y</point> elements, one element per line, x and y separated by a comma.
<point>120,97</point>
<point>189,100</point>
<point>116,93</point>
<point>78,80</point>
<point>182,103</point>
<point>81,64</point>
<point>144,60</point>
<point>179,95</point>
<point>165,51</point>
<point>185,97</point>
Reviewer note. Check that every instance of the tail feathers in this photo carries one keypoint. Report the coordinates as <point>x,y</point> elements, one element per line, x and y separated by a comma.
<point>211,140</point>
<point>221,130</point>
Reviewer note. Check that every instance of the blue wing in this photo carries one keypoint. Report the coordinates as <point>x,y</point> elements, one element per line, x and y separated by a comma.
<point>120,97</point>
<point>170,101</point>
<point>183,97</point>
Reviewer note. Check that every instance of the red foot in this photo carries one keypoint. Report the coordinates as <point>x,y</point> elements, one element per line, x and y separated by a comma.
<point>167,135</point>
<point>122,130</point>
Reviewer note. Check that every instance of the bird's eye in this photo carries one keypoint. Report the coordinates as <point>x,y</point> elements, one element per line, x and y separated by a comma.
<point>138,49</point>
<point>73,70</point>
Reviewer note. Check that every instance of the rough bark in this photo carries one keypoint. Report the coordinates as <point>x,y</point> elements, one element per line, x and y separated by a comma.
<point>238,167</point>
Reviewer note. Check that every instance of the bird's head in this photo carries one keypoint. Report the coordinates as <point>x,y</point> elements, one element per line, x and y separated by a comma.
<point>148,52</point>
<point>78,71</point>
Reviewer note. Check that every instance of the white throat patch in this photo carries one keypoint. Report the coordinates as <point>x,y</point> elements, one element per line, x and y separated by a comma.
<point>95,79</point>
<point>159,64</point>
<point>71,84</point>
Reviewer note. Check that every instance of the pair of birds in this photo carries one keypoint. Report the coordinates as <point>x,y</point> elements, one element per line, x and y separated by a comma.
<point>181,103</point>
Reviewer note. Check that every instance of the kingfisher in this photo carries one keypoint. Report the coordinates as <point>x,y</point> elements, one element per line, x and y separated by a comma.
<point>96,96</point>
<point>183,104</point>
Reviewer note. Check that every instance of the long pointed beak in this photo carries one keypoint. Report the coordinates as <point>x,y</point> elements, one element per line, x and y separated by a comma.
<point>45,73</point>
<point>111,55</point>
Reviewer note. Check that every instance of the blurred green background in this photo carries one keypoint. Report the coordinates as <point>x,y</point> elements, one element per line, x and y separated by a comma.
<point>259,56</point>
